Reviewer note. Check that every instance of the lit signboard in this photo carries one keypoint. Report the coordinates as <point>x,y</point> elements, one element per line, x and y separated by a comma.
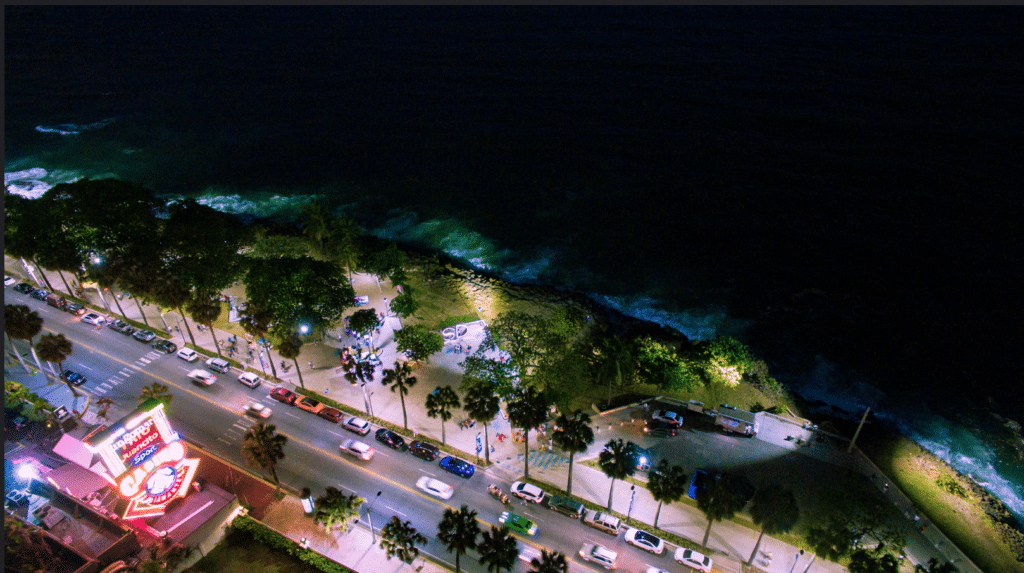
<point>147,459</point>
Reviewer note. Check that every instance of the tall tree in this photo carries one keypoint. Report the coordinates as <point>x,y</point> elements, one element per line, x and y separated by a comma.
<point>256,323</point>
<point>364,322</point>
<point>404,305</point>
<point>335,510</point>
<point>56,348</point>
<point>171,292</point>
<point>262,446</point>
<point>399,539</point>
<point>934,566</point>
<point>480,403</point>
<point>156,391</point>
<point>458,531</point>
<point>344,243</point>
<point>549,562</point>
<point>774,510</point>
<point>617,463</point>
<point>526,410</point>
<point>418,343</point>
<point>498,549</point>
<point>317,226</point>
<point>864,561</point>
<point>23,324</point>
<point>400,379</point>
<point>573,434</point>
<point>858,520</point>
<point>667,484</point>
<point>440,404</point>
<point>289,348</point>
<point>725,496</point>
<point>205,309</point>
<point>299,291</point>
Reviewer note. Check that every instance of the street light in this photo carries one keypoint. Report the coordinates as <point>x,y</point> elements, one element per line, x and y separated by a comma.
<point>303,329</point>
<point>632,496</point>
<point>797,560</point>
<point>369,517</point>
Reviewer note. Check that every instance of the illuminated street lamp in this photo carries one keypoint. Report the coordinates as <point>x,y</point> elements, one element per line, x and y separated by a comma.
<point>303,329</point>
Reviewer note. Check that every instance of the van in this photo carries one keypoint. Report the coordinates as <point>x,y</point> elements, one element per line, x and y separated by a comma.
<point>601,520</point>
<point>218,365</point>
<point>566,505</point>
<point>55,300</point>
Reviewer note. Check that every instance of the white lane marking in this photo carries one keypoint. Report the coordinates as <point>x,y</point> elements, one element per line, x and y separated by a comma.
<point>86,367</point>
<point>395,510</point>
<point>106,386</point>
<point>99,390</point>
<point>335,433</point>
<point>135,367</point>
<point>223,440</point>
<point>144,361</point>
<point>292,415</point>
<point>239,426</point>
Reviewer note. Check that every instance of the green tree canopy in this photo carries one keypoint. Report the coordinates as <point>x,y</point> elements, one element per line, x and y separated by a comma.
<point>616,461</point>
<point>399,539</point>
<point>156,391</point>
<point>335,510</point>
<point>725,496</point>
<point>299,291</point>
<point>774,510</point>
<point>480,403</point>
<point>458,531</point>
<point>527,409</point>
<point>659,364</point>
<point>417,342</point>
<point>440,404</point>
<point>549,562</point>
<point>263,447</point>
<point>573,434</point>
<point>364,321</point>
<point>498,549</point>
<point>405,304</point>
<point>400,379</point>
<point>667,484</point>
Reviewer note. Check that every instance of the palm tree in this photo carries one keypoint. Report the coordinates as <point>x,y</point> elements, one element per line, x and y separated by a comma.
<point>549,562</point>
<point>440,403</point>
<point>498,549</point>
<point>204,309</point>
<point>458,531</point>
<point>481,403</point>
<point>57,348</point>
<point>103,406</point>
<point>864,561</point>
<point>774,510</point>
<point>156,391</point>
<point>573,434</point>
<point>527,409</point>
<point>935,567</point>
<point>256,323</point>
<point>335,510</point>
<point>667,484</point>
<point>724,497</point>
<point>401,380</point>
<point>343,245</point>
<point>290,347</point>
<point>23,324</point>
<point>318,226</point>
<point>264,447</point>
<point>617,463</point>
<point>399,539</point>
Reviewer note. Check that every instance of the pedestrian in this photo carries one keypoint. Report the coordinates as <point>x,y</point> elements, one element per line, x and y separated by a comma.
<point>310,364</point>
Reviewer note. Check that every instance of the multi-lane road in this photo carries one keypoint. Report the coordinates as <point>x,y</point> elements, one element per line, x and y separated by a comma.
<point>118,367</point>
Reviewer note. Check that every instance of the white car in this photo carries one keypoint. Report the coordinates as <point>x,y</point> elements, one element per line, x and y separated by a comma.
<point>256,410</point>
<point>93,318</point>
<point>249,379</point>
<point>436,488</point>
<point>667,416</point>
<point>202,377</point>
<point>358,449</point>
<point>600,554</point>
<point>655,570</point>
<point>357,425</point>
<point>644,540</point>
<point>8,281</point>
<point>691,558</point>
<point>188,355</point>
<point>527,491</point>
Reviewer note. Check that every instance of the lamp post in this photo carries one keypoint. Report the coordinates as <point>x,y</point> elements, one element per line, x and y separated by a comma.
<point>795,561</point>
<point>632,496</point>
<point>369,517</point>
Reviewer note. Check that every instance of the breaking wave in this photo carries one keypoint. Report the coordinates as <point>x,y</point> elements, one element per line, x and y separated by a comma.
<point>32,183</point>
<point>73,128</point>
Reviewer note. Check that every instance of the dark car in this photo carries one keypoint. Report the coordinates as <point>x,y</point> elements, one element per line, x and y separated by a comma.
<point>391,439</point>
<point>332,414</point>
<point>698,483</point>
<point>73,308</point>
<point>166,346</point>
<point>39,294</point>
<point>55,300</point>
<point>660,429</point>
<point>643,459</point>
<point>424,450</point>
<point>74,378</point>
<point>24,288</point>
<point>144,336</point>
<point>458,467</point>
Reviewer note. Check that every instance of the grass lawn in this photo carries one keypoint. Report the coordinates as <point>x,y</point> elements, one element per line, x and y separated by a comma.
<point>238,553</point>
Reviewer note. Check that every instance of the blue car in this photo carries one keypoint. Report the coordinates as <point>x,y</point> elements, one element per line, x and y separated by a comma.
<point>74,378</point>
<point>458,467</point>
<point>698,483</point>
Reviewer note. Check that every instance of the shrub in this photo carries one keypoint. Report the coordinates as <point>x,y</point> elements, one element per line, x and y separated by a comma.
<point>951,485</point>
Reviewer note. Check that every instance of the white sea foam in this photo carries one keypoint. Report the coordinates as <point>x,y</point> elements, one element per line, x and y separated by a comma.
<point>33,183</point>
<point>696,323</point>
<point>73,128</point>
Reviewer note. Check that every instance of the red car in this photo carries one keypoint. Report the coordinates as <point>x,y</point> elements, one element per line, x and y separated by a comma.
<point>332,414</point>
<point>283,395</point>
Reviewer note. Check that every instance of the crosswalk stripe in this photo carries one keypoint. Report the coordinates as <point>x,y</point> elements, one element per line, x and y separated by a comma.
<point>106,386</point>
<point>99,390</point>
<point>144,361</point>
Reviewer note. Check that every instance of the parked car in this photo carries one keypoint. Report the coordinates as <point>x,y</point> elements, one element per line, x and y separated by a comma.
<point>566,505</point>
<point>165,346</point>
<point>74,378</point>
<point>118,325</point>
<point>218,365</point>
<point>461,468</point>
<point>332,414</point>
<point>358,449</point>
<point>73,308</point>
<point>357,425</point>
<point>600,555</point>
<point>144,336</point>
<point>527,491</point>
<point>436,488</point>
<point>660,429</point>
<point>9,280</point>
<point>93,318</point>
<point>310,405</point>
<point>693,559</point>
<point>249,379</point>
<point>255,409</point>
<point>39,294</point>
<point>55,300</point>
<point>645,540</point>
<point>424,450</point>
<point>24,288</point>
<point>391,439</point>
<point>667,416</point>
<point>641,457</point>
<point>697,483</point>
<point>202,377</point>
<point>127,330</point>
<point>188,355</point>
<point>518,523</point>
<point>282,394</point>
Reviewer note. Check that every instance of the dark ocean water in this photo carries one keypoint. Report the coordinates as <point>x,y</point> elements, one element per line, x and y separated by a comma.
<point>839,187</point>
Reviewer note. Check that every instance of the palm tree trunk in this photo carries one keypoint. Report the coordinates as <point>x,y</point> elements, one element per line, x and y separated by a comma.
<point>457,570</point>
<point>142,313</point>
<point>658,514</point>
<point>14,349</point>
<point>405,417</point>
<point>526,459</point>
<point>266,347</point>
<point>277,482</point>
<point>442,432</point>
<point>611,489</point>
<point>36,356</point>
<point>42,274</point>
<point>188,328</point>
<point>487,445</point>
<point>707,532</point>
<point>756,547</point>
<point>217,346</point>
<point>65,281</point>
<point>299,372</point>
<point>118,303</point>
<point>99,291</point>
<point>568,486</point>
